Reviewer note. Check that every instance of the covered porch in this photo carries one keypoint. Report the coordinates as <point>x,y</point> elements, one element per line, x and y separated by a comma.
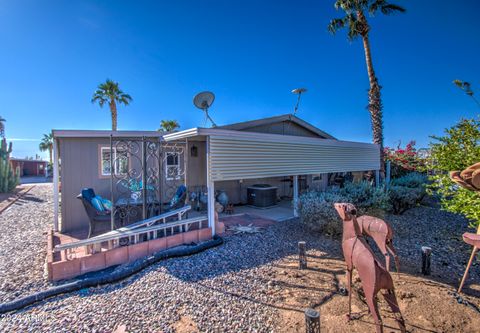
<point>205,162</point>
<point>234,160</point>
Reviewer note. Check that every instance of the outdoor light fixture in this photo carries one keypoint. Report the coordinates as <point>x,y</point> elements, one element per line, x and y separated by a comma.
<point>194,151</point>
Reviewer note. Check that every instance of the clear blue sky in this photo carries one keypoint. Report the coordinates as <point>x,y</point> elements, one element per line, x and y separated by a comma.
<point>250,53</point>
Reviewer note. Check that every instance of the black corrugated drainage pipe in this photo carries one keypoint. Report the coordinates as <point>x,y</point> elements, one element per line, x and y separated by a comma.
<point>120,273</point>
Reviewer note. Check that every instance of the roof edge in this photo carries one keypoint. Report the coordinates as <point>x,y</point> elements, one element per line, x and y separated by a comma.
<point>283,117</point>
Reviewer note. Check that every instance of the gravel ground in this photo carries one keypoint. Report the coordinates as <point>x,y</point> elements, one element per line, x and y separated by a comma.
<point>23,229</point>
<point>440,230</point>
<point>231,288</point>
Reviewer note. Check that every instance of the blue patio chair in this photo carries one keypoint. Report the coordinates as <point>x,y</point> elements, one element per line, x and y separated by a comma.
<point>94,208</point>
<point>178,200</point>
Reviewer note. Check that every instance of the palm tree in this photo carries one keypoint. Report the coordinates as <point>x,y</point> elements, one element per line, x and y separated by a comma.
<point>109,92</point>
<point>465,86</point>
<point>168,125</point>
<point>355,21</point>
<point>47,144</point>
<point>2,127</point>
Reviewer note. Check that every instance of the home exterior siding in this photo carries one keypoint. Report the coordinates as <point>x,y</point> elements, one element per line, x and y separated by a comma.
<point>246,158</point>
<point>283,128</point>
<point>79,169</point>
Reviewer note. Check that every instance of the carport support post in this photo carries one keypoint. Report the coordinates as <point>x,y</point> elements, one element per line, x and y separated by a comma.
<point>55,184</point>
<point>210,191</point>
<point>295,196</point>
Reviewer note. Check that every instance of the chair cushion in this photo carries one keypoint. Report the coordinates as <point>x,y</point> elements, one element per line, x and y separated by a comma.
<point>97,203</point>
<point>88,194</point>
<point>107,204</point>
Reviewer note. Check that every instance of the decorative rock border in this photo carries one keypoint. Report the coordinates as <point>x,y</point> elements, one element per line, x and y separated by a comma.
<point>17,196</point>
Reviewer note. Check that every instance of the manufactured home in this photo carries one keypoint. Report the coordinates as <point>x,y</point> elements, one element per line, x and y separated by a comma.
<point>281,151</point>
<point>263,163</point>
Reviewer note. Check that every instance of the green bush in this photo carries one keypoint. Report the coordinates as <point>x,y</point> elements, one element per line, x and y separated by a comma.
<point>365,196</point>
<point>403,198</point>
<point>317,211</point>
<point>456,150</point>
<point>407,191</point>
<point>412,180</point>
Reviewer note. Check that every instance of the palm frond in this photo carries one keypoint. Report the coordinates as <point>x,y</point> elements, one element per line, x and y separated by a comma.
<point>391,8</point>
<point>336,24</point>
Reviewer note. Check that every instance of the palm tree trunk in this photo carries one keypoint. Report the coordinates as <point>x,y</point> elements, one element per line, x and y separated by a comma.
<point>113,111</point>
<point>50,153</point>
<point>374,96</point>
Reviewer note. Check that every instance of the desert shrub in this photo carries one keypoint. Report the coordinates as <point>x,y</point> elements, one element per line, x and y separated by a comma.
<point>412,180</point>
<point>365,196</point>
<point>403,198</point>
<point>407,191</point>
<point>317,211</point>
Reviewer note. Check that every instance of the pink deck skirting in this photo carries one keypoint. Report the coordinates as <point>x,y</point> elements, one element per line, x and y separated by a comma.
<point>61,268</point>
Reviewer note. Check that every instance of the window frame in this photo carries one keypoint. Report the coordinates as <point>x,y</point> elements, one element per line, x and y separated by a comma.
<point>101,149</point>
<point>176,166</point>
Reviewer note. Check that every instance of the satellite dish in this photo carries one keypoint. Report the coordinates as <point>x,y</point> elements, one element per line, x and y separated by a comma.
<point>203,101</point>
<point>299,92</point>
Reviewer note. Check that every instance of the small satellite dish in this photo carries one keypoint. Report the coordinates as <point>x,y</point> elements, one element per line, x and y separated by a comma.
<point>299,92</point>
<point>203,101</point>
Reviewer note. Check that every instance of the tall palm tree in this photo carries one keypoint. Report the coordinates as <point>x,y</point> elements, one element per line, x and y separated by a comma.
<point>2,127</point>
<point>168,125</point>
<point>109,92</point>
<point>47,144</point>
<point>355,20</point>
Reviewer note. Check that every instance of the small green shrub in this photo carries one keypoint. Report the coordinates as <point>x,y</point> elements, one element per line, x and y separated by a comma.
<point>403,198</point>
<point>317,211</point>
<point>407,191</point>
<point>412,180</point>
<point>365,196</point>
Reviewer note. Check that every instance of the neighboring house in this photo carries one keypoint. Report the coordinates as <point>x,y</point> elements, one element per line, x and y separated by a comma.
<point>282,151</point>
<point>29,167</point>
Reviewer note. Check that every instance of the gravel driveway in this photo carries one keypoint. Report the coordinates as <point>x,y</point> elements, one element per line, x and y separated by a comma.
<point>23,229</point>
<point>225,289</point>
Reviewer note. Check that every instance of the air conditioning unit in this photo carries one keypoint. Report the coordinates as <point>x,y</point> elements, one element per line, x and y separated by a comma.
<point>262,195</point>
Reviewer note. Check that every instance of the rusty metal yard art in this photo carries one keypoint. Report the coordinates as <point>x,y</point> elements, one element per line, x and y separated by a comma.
<point>382,234</point>
<point>373,275</point>
<point>469,179</point>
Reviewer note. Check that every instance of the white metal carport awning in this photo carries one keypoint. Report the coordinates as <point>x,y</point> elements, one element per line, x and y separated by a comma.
<point>244,155</point>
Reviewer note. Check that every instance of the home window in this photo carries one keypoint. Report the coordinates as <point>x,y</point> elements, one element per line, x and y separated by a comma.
<point>120,161</point>
<point>172,168</point>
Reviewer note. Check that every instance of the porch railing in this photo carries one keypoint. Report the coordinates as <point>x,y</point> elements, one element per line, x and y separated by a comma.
<point>134,236</point>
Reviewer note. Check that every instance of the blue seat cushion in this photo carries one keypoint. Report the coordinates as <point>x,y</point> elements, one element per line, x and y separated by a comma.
<point>107,204</point>
<point>88,194</point>
<point>97,203</point>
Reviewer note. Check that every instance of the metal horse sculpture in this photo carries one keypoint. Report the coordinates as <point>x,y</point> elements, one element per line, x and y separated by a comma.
<point>374,276</point>
<point>469,179</point>
<point>382,234</point>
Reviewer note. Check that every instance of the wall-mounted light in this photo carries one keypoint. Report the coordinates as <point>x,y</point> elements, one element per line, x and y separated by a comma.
<point>194,151</point>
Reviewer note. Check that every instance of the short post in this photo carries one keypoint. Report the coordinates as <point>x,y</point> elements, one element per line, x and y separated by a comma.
<point>388,173</point>
<point>312,321</point>
<point>302,257</point>
<point>426,255</point>
<point>377,178</point>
